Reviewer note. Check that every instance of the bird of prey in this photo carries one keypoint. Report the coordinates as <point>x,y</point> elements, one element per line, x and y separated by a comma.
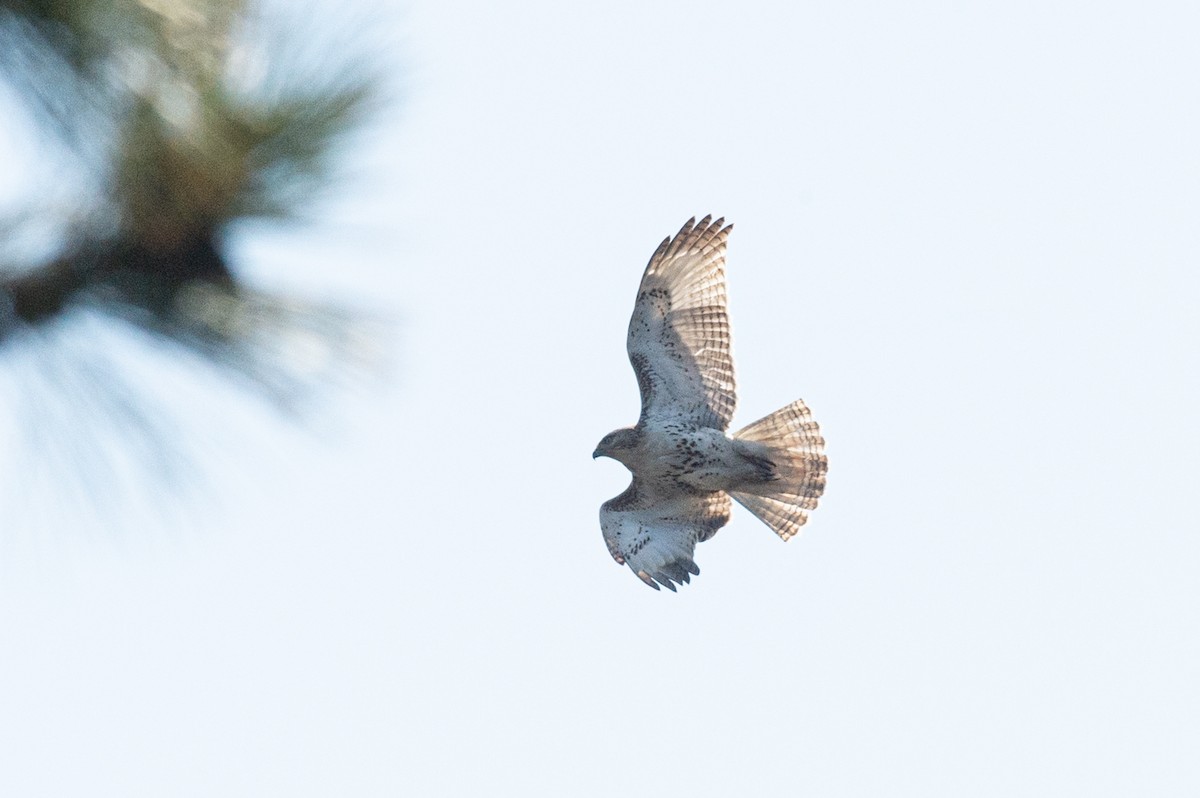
<point>685,468</point>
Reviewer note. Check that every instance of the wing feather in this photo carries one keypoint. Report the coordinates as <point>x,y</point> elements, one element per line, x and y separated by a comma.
<point>656,534</point>
<point>679,334</point>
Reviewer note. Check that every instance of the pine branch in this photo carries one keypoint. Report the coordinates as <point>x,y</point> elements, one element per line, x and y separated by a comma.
<point>169,145</point>
<point>188,154</point>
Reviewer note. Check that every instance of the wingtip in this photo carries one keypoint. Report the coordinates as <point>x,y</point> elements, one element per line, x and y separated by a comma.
<point>715,232</point>
<point>645,577</point>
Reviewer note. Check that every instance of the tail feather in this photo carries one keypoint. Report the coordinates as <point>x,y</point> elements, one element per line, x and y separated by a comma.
<point>792,442</point>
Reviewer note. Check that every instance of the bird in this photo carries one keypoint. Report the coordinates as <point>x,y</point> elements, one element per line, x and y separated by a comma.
<point>687,470</point>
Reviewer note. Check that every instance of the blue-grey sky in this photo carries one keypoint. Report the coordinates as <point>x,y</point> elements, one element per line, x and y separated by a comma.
<point>965,234</point>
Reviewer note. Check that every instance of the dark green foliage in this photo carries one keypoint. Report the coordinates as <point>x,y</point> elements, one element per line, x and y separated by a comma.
<point>149,103</point>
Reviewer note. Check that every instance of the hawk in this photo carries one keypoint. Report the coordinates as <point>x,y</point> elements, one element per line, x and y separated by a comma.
<point>685,468</point>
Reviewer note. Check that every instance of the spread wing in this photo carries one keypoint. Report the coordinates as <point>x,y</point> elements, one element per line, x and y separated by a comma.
<point>679,334</point>
<point>656,534</point>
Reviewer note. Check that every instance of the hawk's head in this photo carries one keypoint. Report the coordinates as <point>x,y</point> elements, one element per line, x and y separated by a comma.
<point>617,444</point>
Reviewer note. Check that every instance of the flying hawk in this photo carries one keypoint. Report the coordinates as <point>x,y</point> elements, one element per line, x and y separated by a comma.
<point>685,468</point>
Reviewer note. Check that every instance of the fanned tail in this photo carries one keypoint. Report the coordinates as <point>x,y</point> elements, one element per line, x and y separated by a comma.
<point>791,441</point>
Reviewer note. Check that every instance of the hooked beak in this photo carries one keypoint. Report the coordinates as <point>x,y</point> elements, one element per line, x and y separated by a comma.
<point>596,454</point>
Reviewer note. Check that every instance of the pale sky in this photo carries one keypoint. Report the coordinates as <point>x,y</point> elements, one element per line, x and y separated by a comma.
<point>966,235</point>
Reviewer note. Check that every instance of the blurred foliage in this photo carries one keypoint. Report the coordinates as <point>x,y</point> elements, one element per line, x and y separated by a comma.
<point>177,118</point>
<point>160,124</point>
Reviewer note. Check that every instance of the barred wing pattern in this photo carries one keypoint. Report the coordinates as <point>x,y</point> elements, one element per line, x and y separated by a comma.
<point>656,534</point>
<point>679,334</point>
